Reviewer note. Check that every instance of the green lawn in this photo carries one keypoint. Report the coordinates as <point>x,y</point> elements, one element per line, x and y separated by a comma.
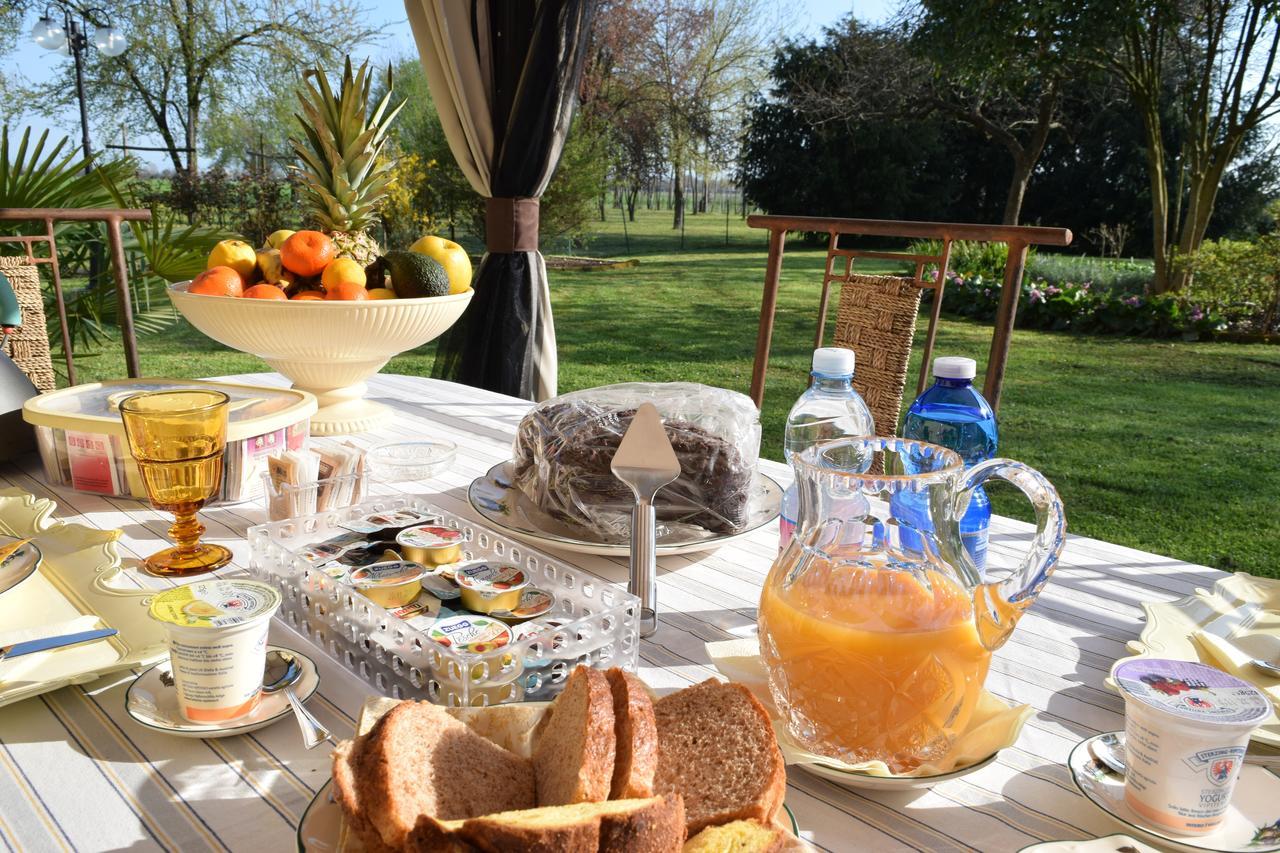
<point>1164,446</point>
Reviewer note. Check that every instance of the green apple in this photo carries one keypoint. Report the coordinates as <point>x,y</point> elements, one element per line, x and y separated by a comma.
<point>278,237</point>
<point>449,255</point>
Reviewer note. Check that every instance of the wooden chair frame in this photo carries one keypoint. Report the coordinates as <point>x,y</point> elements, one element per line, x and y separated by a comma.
<point>113,217</point>
<point>1017,237</point>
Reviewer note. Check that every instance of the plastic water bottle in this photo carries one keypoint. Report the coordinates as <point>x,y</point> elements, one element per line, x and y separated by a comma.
<point>953,414</point>
<point>830,409</point>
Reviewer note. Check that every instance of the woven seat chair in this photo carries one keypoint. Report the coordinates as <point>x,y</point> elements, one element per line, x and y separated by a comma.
<point>876,318</point>
<point>28,346</point>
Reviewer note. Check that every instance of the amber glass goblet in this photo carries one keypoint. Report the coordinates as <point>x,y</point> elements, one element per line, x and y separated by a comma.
<point>178,438</point>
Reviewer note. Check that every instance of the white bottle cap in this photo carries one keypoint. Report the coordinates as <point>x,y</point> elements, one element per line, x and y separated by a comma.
<point>954,367</point>
<point>833,361</point>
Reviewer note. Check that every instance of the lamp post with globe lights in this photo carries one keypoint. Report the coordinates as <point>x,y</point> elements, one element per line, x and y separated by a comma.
<point>70,29</point>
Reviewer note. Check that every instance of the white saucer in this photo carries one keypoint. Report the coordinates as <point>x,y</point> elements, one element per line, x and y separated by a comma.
<point>1107,844</point>
<point>154,705</point>
<point>850,779</point>
<point>323,828</point>
<point>1251,824</point>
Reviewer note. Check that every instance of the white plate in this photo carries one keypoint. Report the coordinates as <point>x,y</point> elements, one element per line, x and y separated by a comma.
<point>1251,824</point>
<point>507,508</point>
<point>19,565</point>
<point>851,779</point>
<point>153,704</point>
<point>323,830</point>
<point>1107,844</point>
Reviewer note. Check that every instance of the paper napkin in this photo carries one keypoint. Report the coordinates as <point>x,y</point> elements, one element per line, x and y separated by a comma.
<point>1255,635</point>
<point>994,725</point>
<point>57,629</point>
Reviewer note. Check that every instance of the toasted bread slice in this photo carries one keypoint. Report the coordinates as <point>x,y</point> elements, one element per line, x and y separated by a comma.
<point>654,825</point>
<point>418,760</point>
<point>636,759</point>
<point>574,750</point>
<point>716,747</point>
<point>743,836</point>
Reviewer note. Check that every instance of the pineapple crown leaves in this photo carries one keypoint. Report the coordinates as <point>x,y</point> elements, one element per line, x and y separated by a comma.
<point>345,175</point>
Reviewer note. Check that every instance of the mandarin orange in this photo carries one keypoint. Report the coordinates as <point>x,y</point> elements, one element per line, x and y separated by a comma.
<point>308,296</point>
<point>218,281</point>
<point>346,290</point>
<point>307,252</point>
<point>264,291</point>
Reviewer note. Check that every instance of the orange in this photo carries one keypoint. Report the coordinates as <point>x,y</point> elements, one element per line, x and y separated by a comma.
<point>264,291</point>
<point>308,295</point>
<point>219,281</point>
<point>307,252</point>
<point>346,290</point>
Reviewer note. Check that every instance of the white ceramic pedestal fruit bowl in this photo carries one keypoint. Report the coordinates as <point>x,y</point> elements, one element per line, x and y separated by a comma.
<point>326,347</point>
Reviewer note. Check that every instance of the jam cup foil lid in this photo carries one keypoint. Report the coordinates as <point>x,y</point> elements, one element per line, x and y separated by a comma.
<point>429,536</point>
<point>389,573</point>
<point>1193,692</point>
<point>441,586</point>
<point>533,603</point>
<point>491,578</point>
<point>470,634</point>
<point>215,603</point>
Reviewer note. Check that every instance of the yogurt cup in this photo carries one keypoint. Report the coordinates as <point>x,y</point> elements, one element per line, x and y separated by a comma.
<point>430,544</point>
<point>391,584</point>
<point>1186,729</point>
<point>469,634</point>
<point>217,635</point>
<point>487,587</point>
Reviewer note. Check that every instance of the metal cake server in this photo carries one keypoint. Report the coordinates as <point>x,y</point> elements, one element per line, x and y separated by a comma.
<point>646,463</point>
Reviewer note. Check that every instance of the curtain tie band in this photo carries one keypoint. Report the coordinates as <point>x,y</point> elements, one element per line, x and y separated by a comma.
<point>511,225</point>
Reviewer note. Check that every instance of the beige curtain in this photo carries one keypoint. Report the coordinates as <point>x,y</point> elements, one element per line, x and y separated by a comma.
<point>458,75</point>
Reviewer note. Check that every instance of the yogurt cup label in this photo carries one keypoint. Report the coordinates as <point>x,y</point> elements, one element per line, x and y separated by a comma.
<point>429,537</point>
<point>491,577</point>
<point>214,603</point>
<point>470,634</point>
<point>1192,691</point>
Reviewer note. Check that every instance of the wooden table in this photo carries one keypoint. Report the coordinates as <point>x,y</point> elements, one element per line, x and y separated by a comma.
<point>77,773</point>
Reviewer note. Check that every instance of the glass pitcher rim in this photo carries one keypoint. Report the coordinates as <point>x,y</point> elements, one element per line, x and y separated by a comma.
<point>952,462</point>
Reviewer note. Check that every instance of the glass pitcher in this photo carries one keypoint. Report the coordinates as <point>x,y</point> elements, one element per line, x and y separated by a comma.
<point>877,644</point>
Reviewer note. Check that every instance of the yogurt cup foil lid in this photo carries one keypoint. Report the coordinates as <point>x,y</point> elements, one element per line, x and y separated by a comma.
<point>1192,691</point>
<point>491,578</point>
<point>215,603</point>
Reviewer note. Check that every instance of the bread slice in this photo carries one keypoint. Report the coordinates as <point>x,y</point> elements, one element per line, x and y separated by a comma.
<point>346,771</point>
<point>716,747</point>
<point>418,760</point>
<point>743,836</point>
<point>574,749</point>
<point>636,731</point>
<point>653,825</point>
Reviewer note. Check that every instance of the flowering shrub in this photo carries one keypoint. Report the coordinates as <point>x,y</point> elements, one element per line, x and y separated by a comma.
<point>1077,307</point>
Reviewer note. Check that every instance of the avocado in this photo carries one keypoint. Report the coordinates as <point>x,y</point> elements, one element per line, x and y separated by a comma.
<point>414,274</point>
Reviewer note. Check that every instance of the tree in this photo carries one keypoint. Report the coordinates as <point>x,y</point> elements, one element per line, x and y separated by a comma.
<point>189,59</point>
<point>1223,54</point>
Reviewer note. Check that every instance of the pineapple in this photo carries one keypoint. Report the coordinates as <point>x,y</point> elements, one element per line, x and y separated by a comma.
<point>344,172</point>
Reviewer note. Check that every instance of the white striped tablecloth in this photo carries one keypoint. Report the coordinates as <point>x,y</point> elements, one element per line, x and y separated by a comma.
<point>77,773</point>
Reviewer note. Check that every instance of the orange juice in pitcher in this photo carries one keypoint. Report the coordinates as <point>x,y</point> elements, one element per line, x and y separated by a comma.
<point>875,650</point>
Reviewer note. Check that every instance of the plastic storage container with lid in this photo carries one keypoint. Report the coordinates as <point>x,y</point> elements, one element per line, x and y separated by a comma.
<point>82,443</point>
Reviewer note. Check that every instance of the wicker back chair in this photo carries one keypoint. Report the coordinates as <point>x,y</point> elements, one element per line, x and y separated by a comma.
<point>28,346</point>
<point>876,318</point>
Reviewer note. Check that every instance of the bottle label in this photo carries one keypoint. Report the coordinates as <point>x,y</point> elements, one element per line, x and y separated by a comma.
<point>975,542</point>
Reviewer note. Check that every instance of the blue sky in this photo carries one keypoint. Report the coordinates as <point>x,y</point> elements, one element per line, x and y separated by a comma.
<point>801,17</point>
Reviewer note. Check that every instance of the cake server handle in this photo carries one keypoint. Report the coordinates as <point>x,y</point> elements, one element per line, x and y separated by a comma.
<point>644,564</point>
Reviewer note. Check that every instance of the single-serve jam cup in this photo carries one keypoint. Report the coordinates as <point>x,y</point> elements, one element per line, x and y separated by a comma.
<point>217,635</point>
<point>487,587</point>
<point>430,544</point>
<point>392,584</point>
<point>1186,729</point>
<point>532,604</point>
<point>467,634</point>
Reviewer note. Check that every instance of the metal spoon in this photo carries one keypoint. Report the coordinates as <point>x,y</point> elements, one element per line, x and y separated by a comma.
<point>1266,666</point>
<point>280,673</point>
<point>1109,749</point>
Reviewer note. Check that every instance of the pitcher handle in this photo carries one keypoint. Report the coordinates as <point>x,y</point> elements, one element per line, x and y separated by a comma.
<point>999,604</point>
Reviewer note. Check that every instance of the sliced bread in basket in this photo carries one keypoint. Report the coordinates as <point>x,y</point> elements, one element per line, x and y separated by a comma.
<point>636,759</point>
<point>653,825</point>
<point>717,749</point>
<point>574,747</point>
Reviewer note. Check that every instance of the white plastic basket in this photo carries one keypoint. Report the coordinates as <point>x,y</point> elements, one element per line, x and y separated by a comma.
<point>601,624</point>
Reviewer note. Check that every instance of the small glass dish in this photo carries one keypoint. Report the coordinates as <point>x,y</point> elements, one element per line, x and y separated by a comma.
<point>398,461</point>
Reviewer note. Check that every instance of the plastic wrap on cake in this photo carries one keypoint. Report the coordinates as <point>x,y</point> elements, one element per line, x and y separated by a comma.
<point>564,447</point>
<point>593,622</point>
